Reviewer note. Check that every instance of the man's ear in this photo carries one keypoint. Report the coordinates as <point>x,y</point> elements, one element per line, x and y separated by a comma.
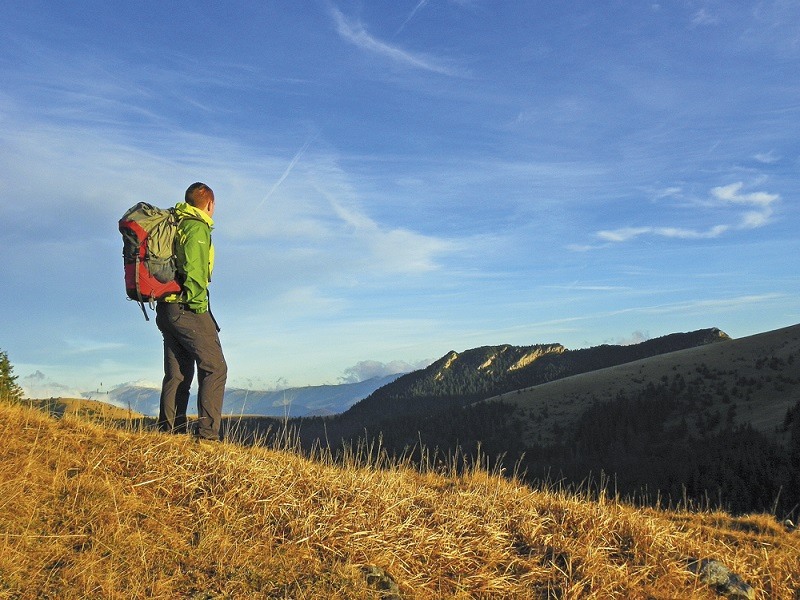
<point>209,204</point>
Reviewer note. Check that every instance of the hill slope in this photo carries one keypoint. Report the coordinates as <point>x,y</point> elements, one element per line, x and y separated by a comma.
<point>759,373</point>
<point>94,409</point>
<point>459,379</point>
<point>87,511</point>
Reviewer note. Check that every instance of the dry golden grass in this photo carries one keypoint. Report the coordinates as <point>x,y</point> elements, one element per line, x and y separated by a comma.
<point>93,512</point>
<point>93,409</point>
<point>562,401</point>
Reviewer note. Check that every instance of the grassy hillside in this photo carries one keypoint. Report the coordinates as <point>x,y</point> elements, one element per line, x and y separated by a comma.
<point>759,375</point>
<point>93,409</point>
<point>93,512</point>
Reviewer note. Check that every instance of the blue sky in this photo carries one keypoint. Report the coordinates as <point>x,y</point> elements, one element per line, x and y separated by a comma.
<point>397,179</point>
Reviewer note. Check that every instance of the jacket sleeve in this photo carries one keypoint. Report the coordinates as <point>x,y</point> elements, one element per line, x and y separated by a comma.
<point>196,244</point>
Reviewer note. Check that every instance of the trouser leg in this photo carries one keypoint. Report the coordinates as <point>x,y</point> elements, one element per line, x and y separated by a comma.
<point>212,374</point>
<point>178,375</point>
<point>198,338</point>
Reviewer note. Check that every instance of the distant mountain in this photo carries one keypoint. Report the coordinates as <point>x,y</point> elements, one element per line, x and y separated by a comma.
<point>460,379</point>
<point>307,401</point>
<point>320,400</point>
<point>138,398</point>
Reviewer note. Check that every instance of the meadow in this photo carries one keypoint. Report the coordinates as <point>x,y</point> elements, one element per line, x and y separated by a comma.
<point>93,511</point>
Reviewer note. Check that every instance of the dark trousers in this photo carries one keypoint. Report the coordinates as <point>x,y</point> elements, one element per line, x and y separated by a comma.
<point>190,339</point>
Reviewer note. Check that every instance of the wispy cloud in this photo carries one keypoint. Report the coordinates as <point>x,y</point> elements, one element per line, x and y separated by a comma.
<point>776,24</point>
<point>684,307</point>
<point>284,175</point>
<point>421,4</point>
<point>354,32</point>
<point>732,193</point>
<point>704,17</point>
<point>761,204</point>
<point>761,201</point>
<point>396,250</point>
<point>705,306</point>
<point>307,300</point>
<point>767,158</point>
<point>669,192</point>
<point>81,345</point>
<point>582,287</point>
<point>629,233</point>
<point>39,385</point>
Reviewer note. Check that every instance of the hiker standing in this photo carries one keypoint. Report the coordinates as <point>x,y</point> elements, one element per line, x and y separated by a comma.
<point>189,329</point>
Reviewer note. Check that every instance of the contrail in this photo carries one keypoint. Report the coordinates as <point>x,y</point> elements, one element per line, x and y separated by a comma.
<point>284,175</point>
<point>421,4</point>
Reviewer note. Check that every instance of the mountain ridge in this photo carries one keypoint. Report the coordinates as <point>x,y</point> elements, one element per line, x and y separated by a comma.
<point>319,400</point>
<point>457,378</point>
<point>637,375</point>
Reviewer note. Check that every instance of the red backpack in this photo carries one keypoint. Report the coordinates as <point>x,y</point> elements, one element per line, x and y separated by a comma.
<point>148,253</point>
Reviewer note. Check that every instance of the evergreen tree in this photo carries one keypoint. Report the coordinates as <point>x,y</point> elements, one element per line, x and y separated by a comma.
<point>9,390</point>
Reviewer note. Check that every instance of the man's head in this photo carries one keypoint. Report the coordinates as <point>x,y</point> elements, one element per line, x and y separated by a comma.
<point>201,196</point>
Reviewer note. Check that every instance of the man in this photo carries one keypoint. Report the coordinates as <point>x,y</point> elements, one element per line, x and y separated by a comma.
<point>189,329</point>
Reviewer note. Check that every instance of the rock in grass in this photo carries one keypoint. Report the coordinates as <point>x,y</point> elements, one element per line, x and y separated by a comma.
<point>379,579</point>
<point>719,577</point>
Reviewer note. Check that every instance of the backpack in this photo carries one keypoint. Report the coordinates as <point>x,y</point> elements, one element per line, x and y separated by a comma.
<point>148,253</point>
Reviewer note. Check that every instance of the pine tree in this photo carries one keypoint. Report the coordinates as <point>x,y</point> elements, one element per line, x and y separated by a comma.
<point>9,390</point>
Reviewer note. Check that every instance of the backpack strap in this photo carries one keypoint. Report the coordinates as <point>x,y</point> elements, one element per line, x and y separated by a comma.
<point>138,291</point>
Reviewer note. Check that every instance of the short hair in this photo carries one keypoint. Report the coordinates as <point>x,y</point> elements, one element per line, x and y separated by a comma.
<point>197,193</point>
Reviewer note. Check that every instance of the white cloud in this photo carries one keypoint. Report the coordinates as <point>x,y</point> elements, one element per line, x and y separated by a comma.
<point>369,369</point>
<point>732,193</point>
<point>755,219</point>
<point>726,195</point>
<point>421,4</point>
<point>767,158</point>
<point>623,234</point>
<point>354,32</point>
<point>670,192</point>
<point>762,201</point>
<point>83,345</point>
<point>629,233</point>
<point>283,176</point>
<point>37,385</point>
<point>576,287</point>
<point>637,337</point>
<point>691,234</point>
<point>395,250</point>
<point>775,24</point>
<point>704,17</point>
<point>707,306</point>
<point>304,203</point>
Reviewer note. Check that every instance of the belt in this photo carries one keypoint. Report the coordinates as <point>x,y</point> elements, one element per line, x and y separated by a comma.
<point>182,305</point>
<point>185,306</point>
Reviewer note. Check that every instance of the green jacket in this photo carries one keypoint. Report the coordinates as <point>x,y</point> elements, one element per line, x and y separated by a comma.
<point>195,257</point>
